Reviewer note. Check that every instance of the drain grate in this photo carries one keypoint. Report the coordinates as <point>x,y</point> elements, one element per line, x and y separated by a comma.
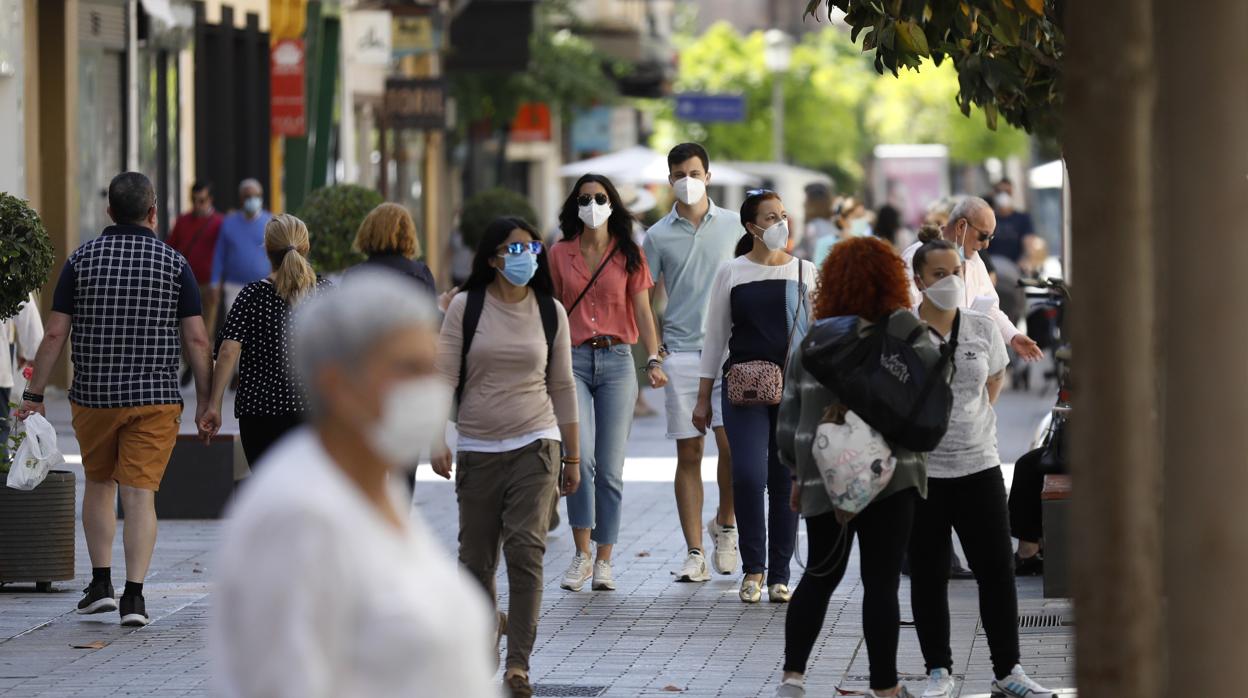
<point>567,689</point>
<point>1044,622</point>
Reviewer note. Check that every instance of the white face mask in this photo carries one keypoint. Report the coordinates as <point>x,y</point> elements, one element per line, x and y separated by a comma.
<point>595,214</point>
<point>689,190</point>
<point>859,228</point>
<point>776,237</point>
<point>948,293</point>
<point>414,413</point>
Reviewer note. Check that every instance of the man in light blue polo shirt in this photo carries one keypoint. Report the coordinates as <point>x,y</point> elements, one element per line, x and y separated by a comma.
<point>685,250</point>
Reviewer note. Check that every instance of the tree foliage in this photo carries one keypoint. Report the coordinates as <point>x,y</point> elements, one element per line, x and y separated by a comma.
<point>836,107</point>
<point>565,71</point>
<point>1007,53</point>
<point>26,254</point>
<point>333,215</point>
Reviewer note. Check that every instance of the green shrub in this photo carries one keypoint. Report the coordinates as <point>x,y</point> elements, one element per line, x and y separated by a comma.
<point>25,253</point>
<point>481,209</point>
<point>333,215</point>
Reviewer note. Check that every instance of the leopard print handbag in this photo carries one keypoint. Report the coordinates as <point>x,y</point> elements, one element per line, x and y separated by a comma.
<point>754,383</point>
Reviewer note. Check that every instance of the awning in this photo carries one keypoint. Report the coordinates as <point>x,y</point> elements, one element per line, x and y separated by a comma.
<point>641,165</point>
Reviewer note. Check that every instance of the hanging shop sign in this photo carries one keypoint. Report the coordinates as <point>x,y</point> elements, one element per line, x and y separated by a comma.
<point>415,103</point>
<point>287,110</point>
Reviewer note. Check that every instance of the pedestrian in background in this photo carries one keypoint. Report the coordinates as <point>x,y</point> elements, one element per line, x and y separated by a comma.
<point>966,490</point>
<point>684,250</point>
<point>388,238</point>
<point>862,278</point>
<point>822,231</point>
<point>20,337</point>
<point>194,234</point>
<point>239,257</point>
<point>327,584</point>
<point>505,349</point>
<point>600,275</point>
<point>256,339</point>
<point>125,397</point>
<point>760,305</point>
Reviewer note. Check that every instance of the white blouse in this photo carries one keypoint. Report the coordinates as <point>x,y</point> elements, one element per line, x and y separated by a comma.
<point>317,595</point>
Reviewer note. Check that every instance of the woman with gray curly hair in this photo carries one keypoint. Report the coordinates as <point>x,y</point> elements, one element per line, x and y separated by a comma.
<point>323,586</point>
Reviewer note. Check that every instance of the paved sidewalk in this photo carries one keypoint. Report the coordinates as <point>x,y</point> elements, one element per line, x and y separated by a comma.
<point>651,637</point>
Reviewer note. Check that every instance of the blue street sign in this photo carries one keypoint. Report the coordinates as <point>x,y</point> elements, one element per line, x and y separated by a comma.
<point>693,106</point>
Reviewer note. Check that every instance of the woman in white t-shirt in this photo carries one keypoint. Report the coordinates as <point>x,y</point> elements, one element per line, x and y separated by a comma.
<point>966,491</point>
<point>760,304</point>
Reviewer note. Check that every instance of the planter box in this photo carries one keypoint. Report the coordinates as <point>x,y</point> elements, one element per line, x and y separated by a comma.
<point>37,531</point>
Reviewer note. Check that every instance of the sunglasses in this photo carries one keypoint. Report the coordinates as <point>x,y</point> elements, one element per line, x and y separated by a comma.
<point>758,192</point>
<point>518,248</point>
<point>599,198</point>
<point>984,236</point>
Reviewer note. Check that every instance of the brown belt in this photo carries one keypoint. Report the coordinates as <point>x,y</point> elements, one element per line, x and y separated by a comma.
<point>601,342</point>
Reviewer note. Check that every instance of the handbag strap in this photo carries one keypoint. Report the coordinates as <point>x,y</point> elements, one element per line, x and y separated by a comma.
<point>946,356</point>
<point>601,265</point>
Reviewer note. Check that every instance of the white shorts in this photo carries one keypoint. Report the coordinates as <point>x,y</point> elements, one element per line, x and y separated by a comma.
<point>681,393</point>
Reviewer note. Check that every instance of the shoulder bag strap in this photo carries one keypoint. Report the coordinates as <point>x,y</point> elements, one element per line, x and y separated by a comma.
<point>601,265</point>
<point>946,356</point>
<point>472,317</point>
<point>550,325</point>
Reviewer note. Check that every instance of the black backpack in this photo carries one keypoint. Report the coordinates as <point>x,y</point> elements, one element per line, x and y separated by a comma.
<point>883,378</point>
<point>472,316</point>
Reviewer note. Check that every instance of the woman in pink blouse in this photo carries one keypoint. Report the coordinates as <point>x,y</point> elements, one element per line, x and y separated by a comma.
<point>602,279</point>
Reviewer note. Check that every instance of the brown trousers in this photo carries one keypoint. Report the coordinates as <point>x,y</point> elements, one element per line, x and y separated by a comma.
<point>505,499</point>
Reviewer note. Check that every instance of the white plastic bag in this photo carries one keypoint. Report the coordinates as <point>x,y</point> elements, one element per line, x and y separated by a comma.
<point>855,461</point>
<point>35,455</point>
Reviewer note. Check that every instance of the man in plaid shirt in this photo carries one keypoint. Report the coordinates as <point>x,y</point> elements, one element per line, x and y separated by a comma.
<point>128,303</point>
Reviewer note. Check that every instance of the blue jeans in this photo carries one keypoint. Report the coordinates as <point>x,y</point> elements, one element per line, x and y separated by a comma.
<point>756,467</point>
<point>606,393</point>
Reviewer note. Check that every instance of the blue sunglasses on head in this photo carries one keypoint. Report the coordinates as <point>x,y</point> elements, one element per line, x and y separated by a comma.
<point>517,248</point>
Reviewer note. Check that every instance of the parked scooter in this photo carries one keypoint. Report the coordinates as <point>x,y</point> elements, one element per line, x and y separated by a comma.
<point>1045,321</point>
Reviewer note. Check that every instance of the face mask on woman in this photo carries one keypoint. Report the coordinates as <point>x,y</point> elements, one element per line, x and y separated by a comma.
<point>689,190</point>
<point>775,237</point>
<point>947,294</point>
<point>519,268</point>
<point>414,413</point>
<point>594,214</point>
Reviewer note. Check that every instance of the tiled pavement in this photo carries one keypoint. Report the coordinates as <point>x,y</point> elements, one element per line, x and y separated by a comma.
<point>651,637</point>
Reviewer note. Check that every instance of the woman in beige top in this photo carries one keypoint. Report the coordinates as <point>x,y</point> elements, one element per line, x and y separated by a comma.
<point>516,404</point>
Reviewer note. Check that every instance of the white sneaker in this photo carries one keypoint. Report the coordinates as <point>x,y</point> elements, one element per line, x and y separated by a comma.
<point>751,591</point>
<point>779,593</point>
<point>578,572</point>
<point>603,579</point>
<point>791,688</point>
<point>939,684</point>
<point>694,569</point>
<point>1018,685</point>
<point>903,693</point>
<point>724,558</point>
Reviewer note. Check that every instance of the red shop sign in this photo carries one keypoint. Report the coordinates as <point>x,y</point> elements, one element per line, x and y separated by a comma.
<point>287,111</point>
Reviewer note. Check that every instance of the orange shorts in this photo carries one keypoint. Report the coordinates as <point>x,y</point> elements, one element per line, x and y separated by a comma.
<point>129,445</point>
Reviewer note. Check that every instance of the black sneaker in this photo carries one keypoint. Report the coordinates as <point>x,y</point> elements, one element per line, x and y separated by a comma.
<point>98,599</point>
<point>134,611</point>
<point>1029,566</point>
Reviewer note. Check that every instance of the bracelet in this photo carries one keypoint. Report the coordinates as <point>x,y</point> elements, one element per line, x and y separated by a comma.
<point>571,461</point>
<point>35,398</point>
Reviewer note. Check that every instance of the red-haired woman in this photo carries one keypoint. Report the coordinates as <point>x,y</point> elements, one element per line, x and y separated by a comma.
<point>862,282</point>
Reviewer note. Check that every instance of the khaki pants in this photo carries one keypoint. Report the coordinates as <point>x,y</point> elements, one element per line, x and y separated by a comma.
<point>506,499</point>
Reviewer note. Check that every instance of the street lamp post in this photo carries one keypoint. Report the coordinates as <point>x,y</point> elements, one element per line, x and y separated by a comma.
<point>777,55</point>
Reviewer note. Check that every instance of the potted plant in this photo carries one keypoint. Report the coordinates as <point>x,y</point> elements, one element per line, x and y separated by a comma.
<point>36,527</point>
<point>333,215</point>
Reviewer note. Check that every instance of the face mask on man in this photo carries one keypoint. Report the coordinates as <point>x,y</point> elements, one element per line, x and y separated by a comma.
<point>775,237</point>
<point>252,205</point>
<point>594,214</point>
<point>413,415</point>
<point>519,268</point>
<point>689,190</point>
<point>948,293</point>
